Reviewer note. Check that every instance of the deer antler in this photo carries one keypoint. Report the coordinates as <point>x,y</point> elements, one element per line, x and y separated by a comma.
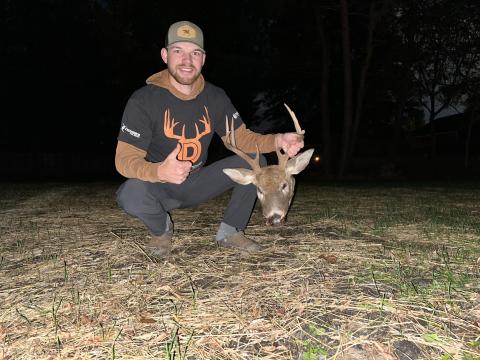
<point>232,146</point>
<point>295,121</point>
<point>283,157</point>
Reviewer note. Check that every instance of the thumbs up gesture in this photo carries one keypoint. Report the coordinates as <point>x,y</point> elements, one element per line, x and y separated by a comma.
<point>172,170</point>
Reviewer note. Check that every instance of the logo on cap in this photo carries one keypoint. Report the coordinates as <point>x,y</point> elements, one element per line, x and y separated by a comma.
<point>186,31</point>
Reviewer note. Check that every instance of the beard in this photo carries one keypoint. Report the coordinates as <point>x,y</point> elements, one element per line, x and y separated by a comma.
<point>189,79</point>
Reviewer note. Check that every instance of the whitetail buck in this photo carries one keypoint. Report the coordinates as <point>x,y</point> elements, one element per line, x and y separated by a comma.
<point>275,183</point>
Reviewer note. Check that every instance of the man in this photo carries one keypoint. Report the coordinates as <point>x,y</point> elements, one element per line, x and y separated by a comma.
<point>162,146</point>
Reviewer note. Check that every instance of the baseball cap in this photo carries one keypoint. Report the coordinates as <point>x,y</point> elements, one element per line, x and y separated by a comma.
<point>184,31</point>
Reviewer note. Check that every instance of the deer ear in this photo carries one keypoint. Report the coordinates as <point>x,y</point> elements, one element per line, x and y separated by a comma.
<point>296,164</point>
<point>241,176</point>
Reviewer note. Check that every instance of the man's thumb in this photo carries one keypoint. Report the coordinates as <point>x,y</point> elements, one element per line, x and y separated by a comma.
<point>175,151</point>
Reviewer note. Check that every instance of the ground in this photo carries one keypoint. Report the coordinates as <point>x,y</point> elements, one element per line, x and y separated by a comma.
<point>360,271</point>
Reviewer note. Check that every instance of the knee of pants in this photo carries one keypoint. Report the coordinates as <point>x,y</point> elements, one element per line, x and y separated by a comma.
<point>134,198</point>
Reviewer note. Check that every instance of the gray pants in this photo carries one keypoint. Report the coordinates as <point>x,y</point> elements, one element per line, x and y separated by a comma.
<point>151,202</point>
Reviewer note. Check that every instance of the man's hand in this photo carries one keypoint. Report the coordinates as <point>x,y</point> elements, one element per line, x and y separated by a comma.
<point>290,143</point>
<point>172,170</point>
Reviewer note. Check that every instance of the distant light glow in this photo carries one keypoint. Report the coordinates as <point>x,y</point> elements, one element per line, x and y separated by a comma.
<point>316,158</point>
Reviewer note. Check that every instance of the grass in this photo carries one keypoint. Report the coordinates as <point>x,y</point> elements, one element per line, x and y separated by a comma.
<point>361,271</point>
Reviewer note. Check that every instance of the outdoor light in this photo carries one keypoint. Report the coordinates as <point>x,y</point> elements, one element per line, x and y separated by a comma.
<point>316,158</point>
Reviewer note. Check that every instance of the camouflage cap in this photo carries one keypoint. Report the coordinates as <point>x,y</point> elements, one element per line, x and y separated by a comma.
<point>184,31</point>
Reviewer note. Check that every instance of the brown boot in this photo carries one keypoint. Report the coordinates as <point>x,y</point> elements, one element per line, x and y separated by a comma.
<point>160,245</point>
<point>238,240</point>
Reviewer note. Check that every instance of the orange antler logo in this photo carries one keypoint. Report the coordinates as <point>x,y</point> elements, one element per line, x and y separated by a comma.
<point>191,148</point>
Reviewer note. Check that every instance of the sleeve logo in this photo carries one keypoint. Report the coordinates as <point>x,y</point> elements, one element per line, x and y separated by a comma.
<point>125,129</point>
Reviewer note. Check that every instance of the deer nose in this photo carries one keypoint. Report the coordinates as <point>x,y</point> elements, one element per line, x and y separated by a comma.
<point>276,219</point>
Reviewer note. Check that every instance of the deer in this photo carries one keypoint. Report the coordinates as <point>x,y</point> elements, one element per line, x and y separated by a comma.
<point>275,183</point>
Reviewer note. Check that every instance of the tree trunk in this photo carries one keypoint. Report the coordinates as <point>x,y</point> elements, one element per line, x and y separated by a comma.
<point>433,133</point>
<point>373,17</point>
<point>324,96</point>
<point>474,109</point>
<point>397,129</point>
<point>347,91</point>
<point>468,137</point>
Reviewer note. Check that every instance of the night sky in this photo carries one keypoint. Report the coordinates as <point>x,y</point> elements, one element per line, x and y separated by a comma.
<point>68,69</point>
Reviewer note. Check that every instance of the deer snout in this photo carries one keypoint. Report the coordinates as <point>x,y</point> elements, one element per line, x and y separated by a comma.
<point>275,220</point>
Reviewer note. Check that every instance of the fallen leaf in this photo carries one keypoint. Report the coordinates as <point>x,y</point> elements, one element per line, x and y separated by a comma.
<point>147,320</point>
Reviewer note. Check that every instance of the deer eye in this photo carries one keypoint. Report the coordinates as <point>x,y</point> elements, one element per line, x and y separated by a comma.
<point>284,186</point>
<point>260,191</point>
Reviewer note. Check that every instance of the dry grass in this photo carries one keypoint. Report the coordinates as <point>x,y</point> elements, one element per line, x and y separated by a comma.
<point>360,272</point>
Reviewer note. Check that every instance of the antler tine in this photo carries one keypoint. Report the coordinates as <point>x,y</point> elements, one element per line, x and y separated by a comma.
<point>231,145</point>
<point>295,121</point>
<point>282,158</point>
<point>229,136</point>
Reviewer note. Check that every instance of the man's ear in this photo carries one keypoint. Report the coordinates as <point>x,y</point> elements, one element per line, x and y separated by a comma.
<point>241,176</point>
<point>164,53</point>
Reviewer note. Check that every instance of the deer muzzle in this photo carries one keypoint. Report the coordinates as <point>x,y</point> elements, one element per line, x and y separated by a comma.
<point>276,220</point>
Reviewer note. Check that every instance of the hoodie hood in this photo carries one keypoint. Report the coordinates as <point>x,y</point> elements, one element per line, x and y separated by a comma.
<point>162,79</point>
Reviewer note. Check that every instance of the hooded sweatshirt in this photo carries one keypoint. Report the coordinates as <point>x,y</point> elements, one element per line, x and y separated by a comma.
<point>158,116</point>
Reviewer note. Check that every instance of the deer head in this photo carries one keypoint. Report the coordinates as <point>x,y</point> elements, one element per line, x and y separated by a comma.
<point>275,183</point>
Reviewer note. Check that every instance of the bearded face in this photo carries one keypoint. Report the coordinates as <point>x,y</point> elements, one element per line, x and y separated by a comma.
<point>185,61</point>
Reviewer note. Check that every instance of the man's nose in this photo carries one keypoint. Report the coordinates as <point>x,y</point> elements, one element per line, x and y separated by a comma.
<point>187,58</point>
